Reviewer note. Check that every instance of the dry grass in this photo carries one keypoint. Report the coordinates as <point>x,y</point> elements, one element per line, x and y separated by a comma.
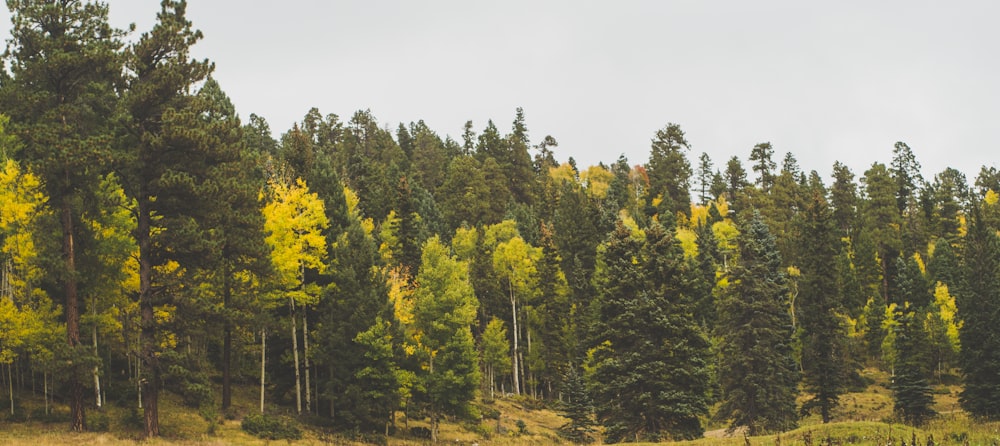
<point>863,418</point>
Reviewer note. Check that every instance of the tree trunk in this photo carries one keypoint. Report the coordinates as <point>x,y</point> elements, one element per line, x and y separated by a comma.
<point>97,375</point>
<point>227,339</point>
<point>305,354</point>
<point>72,315</point>
<point>149,385</point>
<point>263,358</point>
<point>295,357</point>
<point>513,309</point>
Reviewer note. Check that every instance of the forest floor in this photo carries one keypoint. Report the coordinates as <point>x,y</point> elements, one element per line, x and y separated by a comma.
<point>863,418</point>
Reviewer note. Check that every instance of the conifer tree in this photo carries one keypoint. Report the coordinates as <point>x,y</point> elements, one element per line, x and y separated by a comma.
<point>577,406</point>
<point>825,361</point>
<point>669,170</point>
<point>911,391</point>
<point>649,365</point>
<point>978,307</point>
<point>65,63</point>
<point>162,167</point>
<point>758,375</point>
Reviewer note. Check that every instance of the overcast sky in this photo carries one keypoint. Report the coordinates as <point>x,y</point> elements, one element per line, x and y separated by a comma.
<point>825,80</point>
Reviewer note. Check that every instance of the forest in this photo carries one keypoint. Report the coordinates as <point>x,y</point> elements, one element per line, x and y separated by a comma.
<point>152,241</point>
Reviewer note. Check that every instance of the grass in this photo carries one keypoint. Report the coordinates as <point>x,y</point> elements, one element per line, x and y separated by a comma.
<point>863,418</point>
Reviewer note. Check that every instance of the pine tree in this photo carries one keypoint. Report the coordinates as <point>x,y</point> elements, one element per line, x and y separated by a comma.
<point>669,170</point>
<point>578,407</point>
<point>649,365</point>
<point>826,364</point>
<point>910,388</point>
<point>65,63</point>
<point>764,165</point>
<point>758,375</point>
<point>978,307</point>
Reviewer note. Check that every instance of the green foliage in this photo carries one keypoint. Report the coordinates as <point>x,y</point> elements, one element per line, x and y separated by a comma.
<point>648,366</point>
<point>911,391</point>
<point>270,428</point>
<point>758,375</point>
<point>578,407</point>
<point>979,309</point>
<point>826,362</point>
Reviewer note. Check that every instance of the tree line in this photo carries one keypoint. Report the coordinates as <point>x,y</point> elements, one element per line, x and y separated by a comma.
<point>151,241</point>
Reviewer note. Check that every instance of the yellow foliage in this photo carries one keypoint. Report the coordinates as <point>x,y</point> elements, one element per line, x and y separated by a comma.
<point>793,271</point>
<point>390,236</point>
<point>597,180</point>
<point>699,214</point>
<point>688,240</point>
<point>22,203</point>
<point>725,235</point>
<point>294,221</point>
<point>630,223</point>
<point>920,263</point>
<point>991,197</point>
<point>500,232</point>
<point>563,173</point>
<point>945,303</point>
<point>464,243</point>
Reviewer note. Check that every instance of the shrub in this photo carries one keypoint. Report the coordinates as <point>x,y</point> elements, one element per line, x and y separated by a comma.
<point>420,432</point>
<point>270,428</point>
<point>98,422</point>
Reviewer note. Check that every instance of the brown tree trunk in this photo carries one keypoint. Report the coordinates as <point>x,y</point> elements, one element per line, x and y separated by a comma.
<point>77,415</point>
<point>227,341</point>
<point>149,381</point>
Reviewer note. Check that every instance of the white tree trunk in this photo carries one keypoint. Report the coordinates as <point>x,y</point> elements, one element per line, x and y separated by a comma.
<point>513,309</point>
<point>97,375</point>
<point>263,359</point>
<point>305,354</point>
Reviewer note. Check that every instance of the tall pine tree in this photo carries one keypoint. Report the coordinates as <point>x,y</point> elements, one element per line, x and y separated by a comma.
<point>758,374</point>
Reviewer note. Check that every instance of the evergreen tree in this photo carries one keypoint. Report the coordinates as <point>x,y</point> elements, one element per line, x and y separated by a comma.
<point>758,375</point>
<point>65,63</point>
<point>910,389</point>
<point>764,165</point>
<point>669,170</point>
<point>649,366</point>
<point>165,155</point>
<point>705,179</point>
<point>978,307</point>
<point>826,365</point>
<point>578,407</point>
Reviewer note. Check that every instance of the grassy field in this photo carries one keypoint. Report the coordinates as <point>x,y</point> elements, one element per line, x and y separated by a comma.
<point>863,418</point>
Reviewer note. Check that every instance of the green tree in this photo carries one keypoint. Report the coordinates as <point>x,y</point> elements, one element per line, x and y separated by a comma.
<point>648,363</point>
<point>826,363</point>
<point>164,160</point>
<point>445,309</point>
<point>910,389</point>
<point>669,170</point>
<point>65,63</point>
<point>978,307</point>
<point>763,163</point>
<point>705,179</point>
<point>758,375</point>
<point>495,352</point>
<point>578,407</point>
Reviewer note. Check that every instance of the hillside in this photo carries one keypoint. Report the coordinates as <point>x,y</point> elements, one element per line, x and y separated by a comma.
<point>864,418</point>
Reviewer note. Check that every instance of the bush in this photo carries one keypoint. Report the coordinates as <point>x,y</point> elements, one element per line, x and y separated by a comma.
<point>270,428</point>
<point>98,422</point>
<point>420,432</point>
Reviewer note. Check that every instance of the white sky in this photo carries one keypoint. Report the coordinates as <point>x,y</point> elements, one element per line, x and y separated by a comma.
<point>825,80</point>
